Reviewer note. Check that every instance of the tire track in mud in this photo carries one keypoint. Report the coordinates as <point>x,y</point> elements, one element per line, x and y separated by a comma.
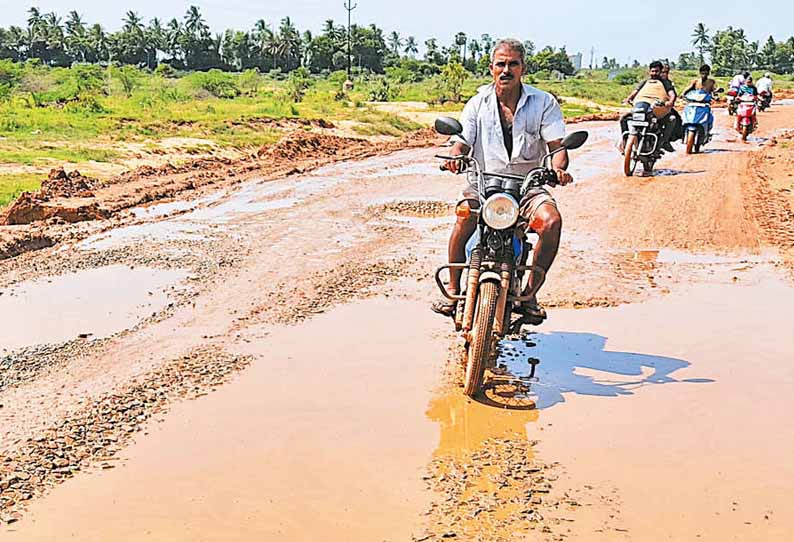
<point>92,436</point>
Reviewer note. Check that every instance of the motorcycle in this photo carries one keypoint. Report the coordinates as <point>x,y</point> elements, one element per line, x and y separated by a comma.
<point>764,101</point>
<point>644,137</point>
<point>496,257</point>
<point>732,101</point>
<point>745,115</point>
<point>698,120</point>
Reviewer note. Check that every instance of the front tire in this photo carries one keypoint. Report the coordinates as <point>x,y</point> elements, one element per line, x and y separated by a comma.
<point>629,163</point>
<point>480,343</point>
<point>745,132</point>
<point>690,141</point>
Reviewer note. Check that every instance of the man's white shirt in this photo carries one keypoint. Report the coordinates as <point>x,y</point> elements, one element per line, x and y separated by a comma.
<point>537,120</point>
<point>764,85</point>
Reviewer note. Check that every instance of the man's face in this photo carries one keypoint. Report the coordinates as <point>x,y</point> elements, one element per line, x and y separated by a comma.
<point>705,73</point>
<point>507,68</point>
<point>654,73</point>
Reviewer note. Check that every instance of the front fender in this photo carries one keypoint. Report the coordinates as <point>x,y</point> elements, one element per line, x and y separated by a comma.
<point>490,276</point>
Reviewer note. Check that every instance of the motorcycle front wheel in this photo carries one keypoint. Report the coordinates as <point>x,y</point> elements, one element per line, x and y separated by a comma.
<point>629,161</point>
<point>745,132</point>
<point>479,345</point>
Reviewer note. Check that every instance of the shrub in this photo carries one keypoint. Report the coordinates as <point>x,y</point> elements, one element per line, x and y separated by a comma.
<point>298,83</point>
<point>626,78</point>
<point>129,77</point>
<point>10,77</point>
<point>453,75</point>
<point>250,81</point>
<point>217,83</point>
<point>380,90</point>
<point>164,70</point>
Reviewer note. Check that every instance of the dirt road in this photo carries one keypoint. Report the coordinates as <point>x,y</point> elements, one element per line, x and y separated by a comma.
<point>259,362</point>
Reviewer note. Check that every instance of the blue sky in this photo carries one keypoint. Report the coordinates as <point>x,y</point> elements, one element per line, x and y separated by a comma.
<point>622,29</point>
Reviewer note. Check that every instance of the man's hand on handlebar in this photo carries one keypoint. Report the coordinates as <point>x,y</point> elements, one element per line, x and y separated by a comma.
<point>454,166</point>
<point>563,177</point>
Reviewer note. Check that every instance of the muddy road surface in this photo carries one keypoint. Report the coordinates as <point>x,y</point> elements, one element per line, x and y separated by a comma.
<point>259,362</point>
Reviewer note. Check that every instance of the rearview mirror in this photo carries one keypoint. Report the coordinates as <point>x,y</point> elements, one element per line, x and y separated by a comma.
<point>448,126</point>
<point>575,140</point>
<point>719,90</point>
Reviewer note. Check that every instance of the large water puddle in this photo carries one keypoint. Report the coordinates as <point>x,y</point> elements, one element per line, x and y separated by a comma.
<point>90,304</point>
<point>676,408</point>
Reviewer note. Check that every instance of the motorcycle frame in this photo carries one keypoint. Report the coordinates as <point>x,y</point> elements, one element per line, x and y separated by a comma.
<point>486,264</point>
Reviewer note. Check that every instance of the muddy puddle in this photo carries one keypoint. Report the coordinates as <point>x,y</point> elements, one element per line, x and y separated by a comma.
<point>323,437</point>
<point>678,405</point>
<point>89,304</point>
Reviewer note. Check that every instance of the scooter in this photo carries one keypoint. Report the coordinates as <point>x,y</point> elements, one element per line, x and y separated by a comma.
<point>698,120</point>
<point>745,115</point>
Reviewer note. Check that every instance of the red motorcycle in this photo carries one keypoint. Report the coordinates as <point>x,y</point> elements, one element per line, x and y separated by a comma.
<point>764,100</point>
<point>745,115</point>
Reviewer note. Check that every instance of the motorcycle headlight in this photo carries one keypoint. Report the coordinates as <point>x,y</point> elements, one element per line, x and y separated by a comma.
<point>500,211</point>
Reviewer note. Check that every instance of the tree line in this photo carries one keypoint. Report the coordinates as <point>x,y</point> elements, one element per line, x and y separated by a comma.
<point>731,51</point>
<point>188,44</point>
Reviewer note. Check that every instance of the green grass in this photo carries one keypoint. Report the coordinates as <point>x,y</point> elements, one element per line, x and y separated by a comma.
<point>11,186</point>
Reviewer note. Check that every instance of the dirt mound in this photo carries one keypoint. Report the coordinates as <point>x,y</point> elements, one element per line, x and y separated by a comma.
<point>301,144</point>
<point>414,208</point>
<point>60,184</point>
<point>608,115</point>
<point>33,206</point>
<point>783,94</point>
<point>283,123</point>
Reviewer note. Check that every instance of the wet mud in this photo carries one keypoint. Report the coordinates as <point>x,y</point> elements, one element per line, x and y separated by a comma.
<point>644,394</point>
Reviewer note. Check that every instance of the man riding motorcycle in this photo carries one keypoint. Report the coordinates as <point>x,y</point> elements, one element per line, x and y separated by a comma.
<point>764,85</point>
<point>652,90</point>
<point>738,80</point>
<point>675,118</point>
<point>529,122</point>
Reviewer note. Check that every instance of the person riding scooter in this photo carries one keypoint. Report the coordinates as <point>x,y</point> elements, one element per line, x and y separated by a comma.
<point>748,89</point>
<point>704,82</point>
<point>653,90</point>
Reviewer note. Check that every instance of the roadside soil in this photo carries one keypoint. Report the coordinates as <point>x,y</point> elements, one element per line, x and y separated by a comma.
<point>279,375</point>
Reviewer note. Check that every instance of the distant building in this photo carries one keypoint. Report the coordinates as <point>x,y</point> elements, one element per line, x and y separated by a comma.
<point>576,60</point>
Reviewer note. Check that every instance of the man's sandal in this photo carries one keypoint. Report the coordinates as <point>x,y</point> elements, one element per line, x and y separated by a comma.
<point>532,312</point>
<point>445,307</point>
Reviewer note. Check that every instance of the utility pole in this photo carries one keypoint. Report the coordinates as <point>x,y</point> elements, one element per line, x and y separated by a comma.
<point>349,6</point>
<point>592,56</point>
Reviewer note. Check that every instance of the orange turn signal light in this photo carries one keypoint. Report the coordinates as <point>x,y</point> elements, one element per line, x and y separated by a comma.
<point>463,210</point>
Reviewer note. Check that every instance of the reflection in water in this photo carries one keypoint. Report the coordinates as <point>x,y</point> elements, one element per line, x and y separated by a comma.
<point>466,424</point>
<point>578,363</point>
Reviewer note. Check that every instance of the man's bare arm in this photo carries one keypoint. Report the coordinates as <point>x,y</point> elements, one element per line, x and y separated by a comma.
<point>559,162</point>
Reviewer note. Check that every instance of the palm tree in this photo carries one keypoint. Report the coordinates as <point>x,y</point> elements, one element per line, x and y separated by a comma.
<point>76,37</point>
<point>290,42</point>
<point>395,42</point>
<point>460,41</point>
<point>410,47</point>
<point>700,39</point>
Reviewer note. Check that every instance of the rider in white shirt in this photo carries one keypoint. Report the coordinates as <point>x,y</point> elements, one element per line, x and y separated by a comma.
<point>765,84</point>
<point>738,80</point>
